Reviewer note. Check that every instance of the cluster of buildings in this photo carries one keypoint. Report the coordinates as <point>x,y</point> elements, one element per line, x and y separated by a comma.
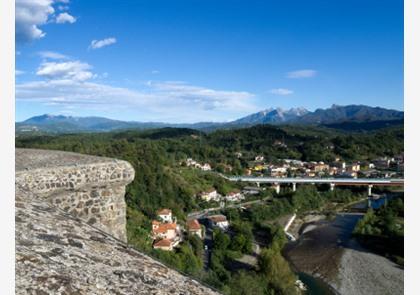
<point>213,195</point>
<point>167,234</point>
<point>337,168</point>
<point>193,163</point>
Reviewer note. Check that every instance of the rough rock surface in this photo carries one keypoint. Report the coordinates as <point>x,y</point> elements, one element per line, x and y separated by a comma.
<point>60,253</point>
<point>92,188</point>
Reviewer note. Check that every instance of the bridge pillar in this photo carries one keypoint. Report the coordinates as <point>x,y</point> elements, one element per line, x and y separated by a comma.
<point>294,186</point>
<point>258,184</point>
<point>277,187</point>
<point>332,185</point>
<point>370,189</point>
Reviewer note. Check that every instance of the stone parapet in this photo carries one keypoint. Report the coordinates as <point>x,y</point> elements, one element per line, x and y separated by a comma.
<point>70,218</point>
<point>88,187</point>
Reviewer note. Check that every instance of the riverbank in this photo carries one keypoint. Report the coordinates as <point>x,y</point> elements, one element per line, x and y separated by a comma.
<point>326,250</point>
<point>361,272</point>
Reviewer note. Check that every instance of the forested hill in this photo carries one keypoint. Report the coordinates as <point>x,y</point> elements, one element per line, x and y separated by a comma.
<point>155,154</point>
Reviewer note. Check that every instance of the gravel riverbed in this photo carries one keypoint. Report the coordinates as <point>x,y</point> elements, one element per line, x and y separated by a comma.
<point>361,272</point>
<point>326,249</point>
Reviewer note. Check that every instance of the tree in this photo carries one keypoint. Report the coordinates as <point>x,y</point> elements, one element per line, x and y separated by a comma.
<point>189,262</point>
<point>277,271</point>
<point>221,240</point>
<point>247,283</point>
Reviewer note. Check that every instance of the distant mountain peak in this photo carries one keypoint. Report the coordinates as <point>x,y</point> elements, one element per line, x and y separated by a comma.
<point>336,114</point>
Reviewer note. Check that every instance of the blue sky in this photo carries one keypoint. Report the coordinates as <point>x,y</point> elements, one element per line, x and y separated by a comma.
<point>190,61</point>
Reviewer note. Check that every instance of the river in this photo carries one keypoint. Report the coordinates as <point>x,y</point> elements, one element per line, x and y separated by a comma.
<point>329,261</point>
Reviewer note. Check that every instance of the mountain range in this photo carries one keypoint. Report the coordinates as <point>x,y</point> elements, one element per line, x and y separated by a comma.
<point>340,117</point>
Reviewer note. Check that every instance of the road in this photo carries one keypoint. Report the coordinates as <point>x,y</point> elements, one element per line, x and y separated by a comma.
<point>208,245</point>
<point>205,212</point>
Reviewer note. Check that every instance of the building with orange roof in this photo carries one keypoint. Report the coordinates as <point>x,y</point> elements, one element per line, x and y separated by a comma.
<point>194,227</point>
<point>164,230</point>
<point>163,244</point>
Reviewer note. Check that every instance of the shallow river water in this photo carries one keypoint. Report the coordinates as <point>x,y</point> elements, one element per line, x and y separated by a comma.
<point>317,253</point>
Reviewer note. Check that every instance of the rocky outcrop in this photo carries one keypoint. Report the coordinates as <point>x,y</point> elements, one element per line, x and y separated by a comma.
<point>60,250</point>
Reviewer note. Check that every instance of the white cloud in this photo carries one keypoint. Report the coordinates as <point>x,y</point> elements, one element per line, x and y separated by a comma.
<point>205,98</point>
<point>30,15</point>
<point>18,72</point>
<point>72,70</point>
<point>69,84</point>
<point>64,17</point>
<point>52,55</point>
<point>281,91</point>
<point>96,44</point>
<point>164,101</point>
<point>301,74</point>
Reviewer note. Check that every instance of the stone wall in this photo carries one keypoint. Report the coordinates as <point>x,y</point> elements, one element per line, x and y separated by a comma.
<point>91,188</point>
<point>68,210</point>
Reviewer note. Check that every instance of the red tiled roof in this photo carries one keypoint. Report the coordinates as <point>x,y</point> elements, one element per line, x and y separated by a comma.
<point>193,225</point>
<point>164,227</point>
<point>162,243</point>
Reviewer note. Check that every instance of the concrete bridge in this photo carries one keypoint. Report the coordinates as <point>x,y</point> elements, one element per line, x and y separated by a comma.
<point>277,181</point>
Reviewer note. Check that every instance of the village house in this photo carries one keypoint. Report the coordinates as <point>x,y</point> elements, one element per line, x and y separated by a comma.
<point>353,167</point>
<point>259,158</point>
<point>206,167</point>
<point>209,195</point>
<point>165,215</point>
<point>219,221</point>
<point>234,196</point>
<point>164,230</point>
<point>310,173</point>
<point>278,171</point>
<point>333,171</point>
<point>280,143</point>
<point>164,244</point>
<point>258,168</point>
<point>320,167</point>
<point>190,162</point>
<point>194,228</point>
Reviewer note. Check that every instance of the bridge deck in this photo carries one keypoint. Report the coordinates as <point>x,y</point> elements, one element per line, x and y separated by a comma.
<point>336,181</point>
